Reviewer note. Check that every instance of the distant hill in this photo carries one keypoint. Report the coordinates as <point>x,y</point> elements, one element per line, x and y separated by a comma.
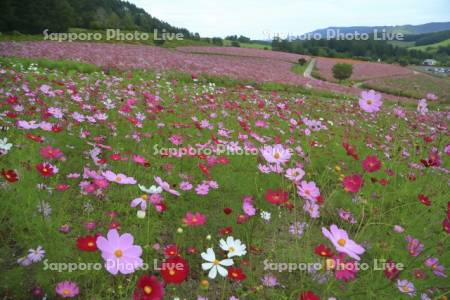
<point>405,29</point>
<point>31,16</point>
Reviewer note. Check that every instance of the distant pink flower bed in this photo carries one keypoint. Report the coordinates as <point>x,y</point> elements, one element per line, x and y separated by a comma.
<point>250,64</point>
<point>361,70</point>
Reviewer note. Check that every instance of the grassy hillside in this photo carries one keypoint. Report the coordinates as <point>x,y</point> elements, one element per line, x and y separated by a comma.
<point>432,47</point>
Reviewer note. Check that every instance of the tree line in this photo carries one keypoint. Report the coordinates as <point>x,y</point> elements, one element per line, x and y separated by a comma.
<point>370,49</point>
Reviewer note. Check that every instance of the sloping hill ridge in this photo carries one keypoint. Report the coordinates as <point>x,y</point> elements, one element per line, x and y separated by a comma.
<point>405,29</point>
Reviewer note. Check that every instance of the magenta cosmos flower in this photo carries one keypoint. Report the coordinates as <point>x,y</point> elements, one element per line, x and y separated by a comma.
<point>119,253</point>
<point>342,243</point>
<point>370,101</point>
<point>118,178</point>
<point>67,289</point>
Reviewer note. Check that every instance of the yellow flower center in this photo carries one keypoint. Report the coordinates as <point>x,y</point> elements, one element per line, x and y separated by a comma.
<point>172,272</point>
<point>118,253</point>
<point>405,288</point>
<point>118,179</point>
<point>147,290</point>
<point>369,101</point>
<point>231,249</point>
<point>145,197</point>
<point>216,262</point>
<point>342,242</point>
<point>90,244</point>
<point>66,292</point>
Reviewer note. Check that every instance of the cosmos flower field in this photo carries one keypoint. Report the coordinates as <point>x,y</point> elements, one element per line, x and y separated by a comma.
<point>140,186</point>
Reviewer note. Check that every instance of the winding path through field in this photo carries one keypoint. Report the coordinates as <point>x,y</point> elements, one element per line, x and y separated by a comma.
<point>309,68</point>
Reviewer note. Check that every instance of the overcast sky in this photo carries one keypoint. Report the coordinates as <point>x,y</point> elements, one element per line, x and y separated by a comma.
<point>257,18</point>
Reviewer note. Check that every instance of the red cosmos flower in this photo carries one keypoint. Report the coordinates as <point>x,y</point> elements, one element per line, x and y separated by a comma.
<point>242,218</point>
<point>46,169</point>
<point>390,270</point>
<point>276,197</point>
<point>11,100</point>
<point>11,114</point>
<point>226,230</point>
<point>87,243</point>
<point>57,128</point>
<point>353,183</point>
<point>322,250</point>
<point>35,138</point>
<point>62,187</point>
<point>350,150</point>
<point>115,157</point>
<point>10,175</point>
<point>227,210</point>
<point>222,160</point>
<point>371,164</point>
<point>424,199</point>
<point>236,274</point>
<point>204,169</point>
<point>434,159</point>
<point>171,250</point>
<point>446,225</point>
<point>308,295</point>
<point>320,200</point>
<point>174,270</point>
<point>191,250</point>
<point>148,288</point>
<point>384,181</point>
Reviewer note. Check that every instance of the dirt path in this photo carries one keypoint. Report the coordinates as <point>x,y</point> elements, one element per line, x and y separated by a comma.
<point>309,68</point>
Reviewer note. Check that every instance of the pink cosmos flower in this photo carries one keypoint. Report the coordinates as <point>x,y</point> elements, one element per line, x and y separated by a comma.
<point>176,139</point>
<point>370,101</point>
<point>308,190</point>
<point>118,178</point>
<point>344,270</point>
<point>140,160</point>
<point>342,243</point>
<point>247,206</point>
<point>142,201</point>
<point>276,154</point>
<point>406,287</point>
<point>312,208</point>
<point>67,289</point>
<point>295,174</point>
<point>194,219</point>
<point>414,246</point>
<point>51,153</point>
<point>165,186</point>
<point>119,253</point>
<point>185,185</point>
<point>438,269</point>
<point>202,189</point>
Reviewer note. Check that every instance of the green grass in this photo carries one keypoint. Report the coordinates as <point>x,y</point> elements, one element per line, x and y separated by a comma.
<point>432,47</point>
<point>376,209</point>
<point>253,45</point>
<point>299,69</point>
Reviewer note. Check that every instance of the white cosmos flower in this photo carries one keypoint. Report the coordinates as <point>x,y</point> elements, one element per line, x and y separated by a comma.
<point>151,190</point>
<point>233,247</point>
<point>4,145</point>
<point>214,265</point>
